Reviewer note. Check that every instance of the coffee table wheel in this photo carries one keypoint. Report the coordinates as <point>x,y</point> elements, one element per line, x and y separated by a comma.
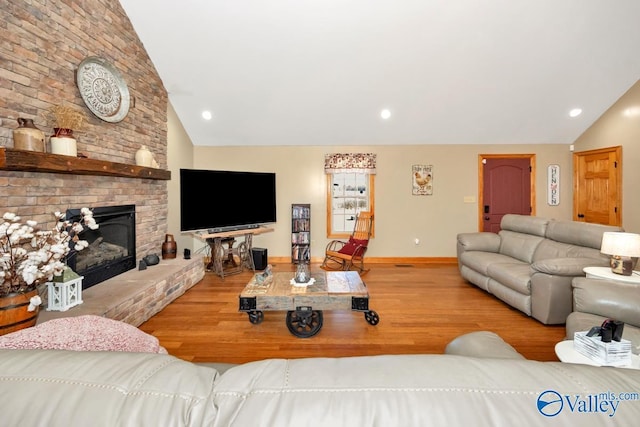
<point>304,323</point>
<point>372,317</point>
<point>256,317</point>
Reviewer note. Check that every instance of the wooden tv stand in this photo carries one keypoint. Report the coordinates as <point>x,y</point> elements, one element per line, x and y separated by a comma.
<point>221,256</point>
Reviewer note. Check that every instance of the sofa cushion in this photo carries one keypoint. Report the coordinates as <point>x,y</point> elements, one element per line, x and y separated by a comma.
<point>564,266</point>
<point>515,299</point>
<point>104,388</point>
<point>519,245</point>
<point>548,249</point>
<point>525,224</point>
<point>516,276</point>
<point>578,233</point>
<point>480,261</point>
<point>412,390</point>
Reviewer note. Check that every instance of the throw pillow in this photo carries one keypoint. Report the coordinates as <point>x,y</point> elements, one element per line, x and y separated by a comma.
<point>350,247</point>
<point>83,333</point>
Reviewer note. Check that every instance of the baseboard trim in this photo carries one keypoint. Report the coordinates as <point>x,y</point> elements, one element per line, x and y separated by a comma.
<point>382,260</point>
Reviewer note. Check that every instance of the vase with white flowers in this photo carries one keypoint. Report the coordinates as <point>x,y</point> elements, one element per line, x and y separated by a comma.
<point>30,256</point>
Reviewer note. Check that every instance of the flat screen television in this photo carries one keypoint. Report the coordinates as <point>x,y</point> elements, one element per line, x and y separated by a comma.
<point>216,201</point>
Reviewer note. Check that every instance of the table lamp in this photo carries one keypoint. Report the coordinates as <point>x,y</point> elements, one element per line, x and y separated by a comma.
<point>624,249</point>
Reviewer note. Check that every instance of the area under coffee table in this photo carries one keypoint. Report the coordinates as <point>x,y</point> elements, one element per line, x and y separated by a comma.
<point>336,290</point>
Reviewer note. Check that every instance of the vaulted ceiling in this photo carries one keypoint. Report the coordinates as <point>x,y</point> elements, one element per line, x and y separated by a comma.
<point>319,72</point>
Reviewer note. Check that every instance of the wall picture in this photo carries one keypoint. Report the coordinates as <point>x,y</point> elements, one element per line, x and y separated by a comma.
<point>553,185</point>
<point>422,178</point>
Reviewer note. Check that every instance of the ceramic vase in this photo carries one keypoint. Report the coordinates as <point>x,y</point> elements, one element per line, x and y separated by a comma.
<point>27,136</point>
<point>144,157</point>
<point>169,247</point>
<point>63,142</point>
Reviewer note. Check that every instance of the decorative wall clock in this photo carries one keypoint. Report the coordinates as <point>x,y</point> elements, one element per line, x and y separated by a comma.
<point>103,89</point>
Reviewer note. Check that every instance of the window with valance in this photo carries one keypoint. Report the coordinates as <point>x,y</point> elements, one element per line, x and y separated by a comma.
<point>350,185</point>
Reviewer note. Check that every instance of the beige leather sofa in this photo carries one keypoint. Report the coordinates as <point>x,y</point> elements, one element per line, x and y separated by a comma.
<point>595,300</point>
<point>68,388</point>
<point>531,262</point>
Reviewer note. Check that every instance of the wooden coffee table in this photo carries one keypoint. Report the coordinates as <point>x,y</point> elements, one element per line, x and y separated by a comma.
<point>339,290</point>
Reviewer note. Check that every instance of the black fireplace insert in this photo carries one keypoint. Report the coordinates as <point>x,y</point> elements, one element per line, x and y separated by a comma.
<point>112,246</point>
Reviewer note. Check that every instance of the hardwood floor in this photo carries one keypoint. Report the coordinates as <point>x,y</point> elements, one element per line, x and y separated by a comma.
<point>421,307</point>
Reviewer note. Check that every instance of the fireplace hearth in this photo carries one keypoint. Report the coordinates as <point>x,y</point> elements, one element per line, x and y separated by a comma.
<point>112,247</point>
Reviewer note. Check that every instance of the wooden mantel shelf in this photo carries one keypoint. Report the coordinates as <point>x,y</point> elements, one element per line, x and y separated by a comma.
<point>33,161</point>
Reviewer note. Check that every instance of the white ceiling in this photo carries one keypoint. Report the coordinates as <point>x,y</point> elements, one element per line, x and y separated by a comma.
<point>318,72</point>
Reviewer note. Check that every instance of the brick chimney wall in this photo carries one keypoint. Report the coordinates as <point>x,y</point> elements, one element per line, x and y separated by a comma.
<point>42,44</point>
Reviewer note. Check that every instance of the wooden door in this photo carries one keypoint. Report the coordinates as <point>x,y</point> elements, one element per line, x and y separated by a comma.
<point>597,186</point>
<point>506,186</point>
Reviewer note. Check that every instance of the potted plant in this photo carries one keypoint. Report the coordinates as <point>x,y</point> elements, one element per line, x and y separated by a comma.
<point>30,256</point>
<point>64,121</point>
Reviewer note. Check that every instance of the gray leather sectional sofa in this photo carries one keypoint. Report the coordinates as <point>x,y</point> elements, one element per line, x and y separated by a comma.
<point>531,262</point>
<point>595,300</point>
<point>482,381</point>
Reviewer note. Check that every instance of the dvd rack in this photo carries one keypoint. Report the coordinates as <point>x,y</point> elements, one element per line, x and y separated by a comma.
<point>300,233</point>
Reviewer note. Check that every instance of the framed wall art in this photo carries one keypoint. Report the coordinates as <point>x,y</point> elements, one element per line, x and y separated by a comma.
<point>422,180</point>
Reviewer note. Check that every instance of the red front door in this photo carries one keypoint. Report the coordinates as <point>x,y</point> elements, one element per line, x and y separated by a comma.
<point>506,188</point>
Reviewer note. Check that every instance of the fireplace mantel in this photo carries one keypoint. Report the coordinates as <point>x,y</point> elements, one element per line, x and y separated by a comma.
<point>33,161</point>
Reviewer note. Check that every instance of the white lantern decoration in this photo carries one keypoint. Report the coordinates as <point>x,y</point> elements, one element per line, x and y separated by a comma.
<point>65,293</point>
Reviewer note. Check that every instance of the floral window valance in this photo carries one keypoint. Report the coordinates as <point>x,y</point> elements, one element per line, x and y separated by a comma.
<point>350,162</point>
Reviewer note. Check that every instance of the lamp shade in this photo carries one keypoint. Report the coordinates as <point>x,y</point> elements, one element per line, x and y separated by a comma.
<point>620,244</point>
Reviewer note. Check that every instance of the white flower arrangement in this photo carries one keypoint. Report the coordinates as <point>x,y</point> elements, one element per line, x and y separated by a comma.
<point>30,256</point>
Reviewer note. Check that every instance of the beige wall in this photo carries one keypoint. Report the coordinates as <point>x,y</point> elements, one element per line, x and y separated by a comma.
<point>400,216</point>
<point>179,155</point>
<point>620,125</point>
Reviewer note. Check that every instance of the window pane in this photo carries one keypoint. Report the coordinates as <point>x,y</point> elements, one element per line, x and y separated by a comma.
<point>349,195</point>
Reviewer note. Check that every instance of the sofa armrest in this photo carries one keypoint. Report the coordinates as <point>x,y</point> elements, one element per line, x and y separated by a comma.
<point>484,344</point>
<point>481,241</point>
<point>607,298</point>
<point>565,266</point>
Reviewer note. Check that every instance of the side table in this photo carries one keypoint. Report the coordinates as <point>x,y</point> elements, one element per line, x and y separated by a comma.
<point>568,354</point>
<point>243,251</point>
<point>606,273</point>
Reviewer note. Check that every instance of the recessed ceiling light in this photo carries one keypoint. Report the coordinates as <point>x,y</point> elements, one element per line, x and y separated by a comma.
<point>207,115</point>
<point>385,114</point>
<point>575,112</point>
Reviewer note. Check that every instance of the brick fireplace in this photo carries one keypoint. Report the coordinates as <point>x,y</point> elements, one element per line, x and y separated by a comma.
<point>44,44</point>
<point>135,296</point>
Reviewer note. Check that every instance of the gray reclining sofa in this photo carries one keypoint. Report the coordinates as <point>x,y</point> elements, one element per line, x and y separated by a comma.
<point>531,262</point>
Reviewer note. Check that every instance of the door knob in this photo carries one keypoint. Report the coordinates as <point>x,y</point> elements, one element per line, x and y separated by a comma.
<point>486,218</point>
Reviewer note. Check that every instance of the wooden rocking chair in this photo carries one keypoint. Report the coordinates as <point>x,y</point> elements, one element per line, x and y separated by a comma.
<point>345,256</point>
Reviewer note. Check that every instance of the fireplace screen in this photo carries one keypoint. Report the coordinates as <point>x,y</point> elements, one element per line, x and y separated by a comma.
<point>112,247</point>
